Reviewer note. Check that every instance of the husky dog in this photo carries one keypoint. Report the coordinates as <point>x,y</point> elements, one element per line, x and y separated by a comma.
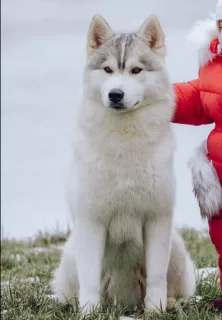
<point>123,247</point>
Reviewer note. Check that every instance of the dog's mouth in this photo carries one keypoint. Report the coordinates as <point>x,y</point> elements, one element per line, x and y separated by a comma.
<point>117,106</point>
<point>120,106</point>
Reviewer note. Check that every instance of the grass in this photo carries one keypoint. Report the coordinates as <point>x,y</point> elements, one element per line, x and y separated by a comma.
<point>27,301</point>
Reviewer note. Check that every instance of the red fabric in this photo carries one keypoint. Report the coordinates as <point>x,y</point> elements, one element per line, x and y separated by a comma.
<point>200,102</point>
<point>214,46</point>
<point>215,231</point>
<point>189,108</point>
<point>220,267</point>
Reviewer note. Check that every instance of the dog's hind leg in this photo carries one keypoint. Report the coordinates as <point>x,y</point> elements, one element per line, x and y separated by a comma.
<point>65,282</point>
<point>181,279</point>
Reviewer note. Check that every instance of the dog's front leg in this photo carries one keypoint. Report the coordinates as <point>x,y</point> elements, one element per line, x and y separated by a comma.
<point>157,253</point>
<point>90,243</point>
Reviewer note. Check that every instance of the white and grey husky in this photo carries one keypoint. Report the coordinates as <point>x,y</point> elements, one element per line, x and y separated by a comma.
<point>123,246</point>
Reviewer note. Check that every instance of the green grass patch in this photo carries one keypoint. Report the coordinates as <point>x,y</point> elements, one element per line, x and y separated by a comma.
<point>27,301</point>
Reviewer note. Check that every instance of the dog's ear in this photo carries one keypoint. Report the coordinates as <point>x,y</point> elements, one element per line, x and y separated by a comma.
<point>99,32</point>
<point>152,33</point>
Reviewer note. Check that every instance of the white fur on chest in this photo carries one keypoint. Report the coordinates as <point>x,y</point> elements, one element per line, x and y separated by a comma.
<point>123,169</point>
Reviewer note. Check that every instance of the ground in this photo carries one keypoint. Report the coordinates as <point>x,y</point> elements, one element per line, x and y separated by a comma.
<point>26,269</point>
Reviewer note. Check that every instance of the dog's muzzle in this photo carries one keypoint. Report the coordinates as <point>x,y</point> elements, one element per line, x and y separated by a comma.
<point>116,99</point>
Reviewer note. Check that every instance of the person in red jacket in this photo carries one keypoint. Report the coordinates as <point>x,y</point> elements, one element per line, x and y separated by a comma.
<point>200,102</point>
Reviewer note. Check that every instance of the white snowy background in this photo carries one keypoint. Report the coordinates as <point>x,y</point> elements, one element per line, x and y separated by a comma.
<point>43,55</point>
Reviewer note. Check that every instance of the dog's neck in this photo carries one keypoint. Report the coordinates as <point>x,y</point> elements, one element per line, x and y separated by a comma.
<point>97,120</point>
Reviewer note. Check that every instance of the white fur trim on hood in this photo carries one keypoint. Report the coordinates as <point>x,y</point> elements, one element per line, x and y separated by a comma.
<point>206,185</point>
<point>200,38</point>
<point>219,10</point>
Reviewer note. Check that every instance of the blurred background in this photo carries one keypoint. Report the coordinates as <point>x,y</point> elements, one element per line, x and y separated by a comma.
<point>43,55</point>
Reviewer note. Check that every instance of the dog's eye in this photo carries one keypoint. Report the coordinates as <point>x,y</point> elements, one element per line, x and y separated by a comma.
<point>108,70</point>
<point>136,70</point>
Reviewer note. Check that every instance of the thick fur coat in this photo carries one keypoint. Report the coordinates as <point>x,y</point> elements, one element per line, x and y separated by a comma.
<point>206,180</point>
<point>122,191</point>
<point>200,37</point>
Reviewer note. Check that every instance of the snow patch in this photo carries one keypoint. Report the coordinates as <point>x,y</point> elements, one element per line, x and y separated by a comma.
<point>52,296</point>
<point>128,318</point>
<point>205,272</point>
<point>18,257</point>
<point>25,280</point>
<point>37,250</point>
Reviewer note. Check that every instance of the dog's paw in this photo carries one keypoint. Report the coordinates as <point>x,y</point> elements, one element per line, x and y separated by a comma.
<point>89,304</point>
<point>171,302</point>
<point>150,309</point>
<point>155,301</point>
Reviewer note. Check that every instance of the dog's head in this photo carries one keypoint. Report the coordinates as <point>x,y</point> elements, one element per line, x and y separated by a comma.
<point>126,71</point>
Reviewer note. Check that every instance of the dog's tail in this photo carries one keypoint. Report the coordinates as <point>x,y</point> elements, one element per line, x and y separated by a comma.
<point>206,185</point>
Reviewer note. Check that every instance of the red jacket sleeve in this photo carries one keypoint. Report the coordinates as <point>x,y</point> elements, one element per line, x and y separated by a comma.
<point>189,108</point>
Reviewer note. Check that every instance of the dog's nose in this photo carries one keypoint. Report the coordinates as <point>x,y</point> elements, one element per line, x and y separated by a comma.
<point>116,95</point>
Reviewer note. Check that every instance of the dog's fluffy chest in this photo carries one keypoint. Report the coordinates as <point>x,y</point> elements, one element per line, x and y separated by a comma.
<point>127,174</point>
